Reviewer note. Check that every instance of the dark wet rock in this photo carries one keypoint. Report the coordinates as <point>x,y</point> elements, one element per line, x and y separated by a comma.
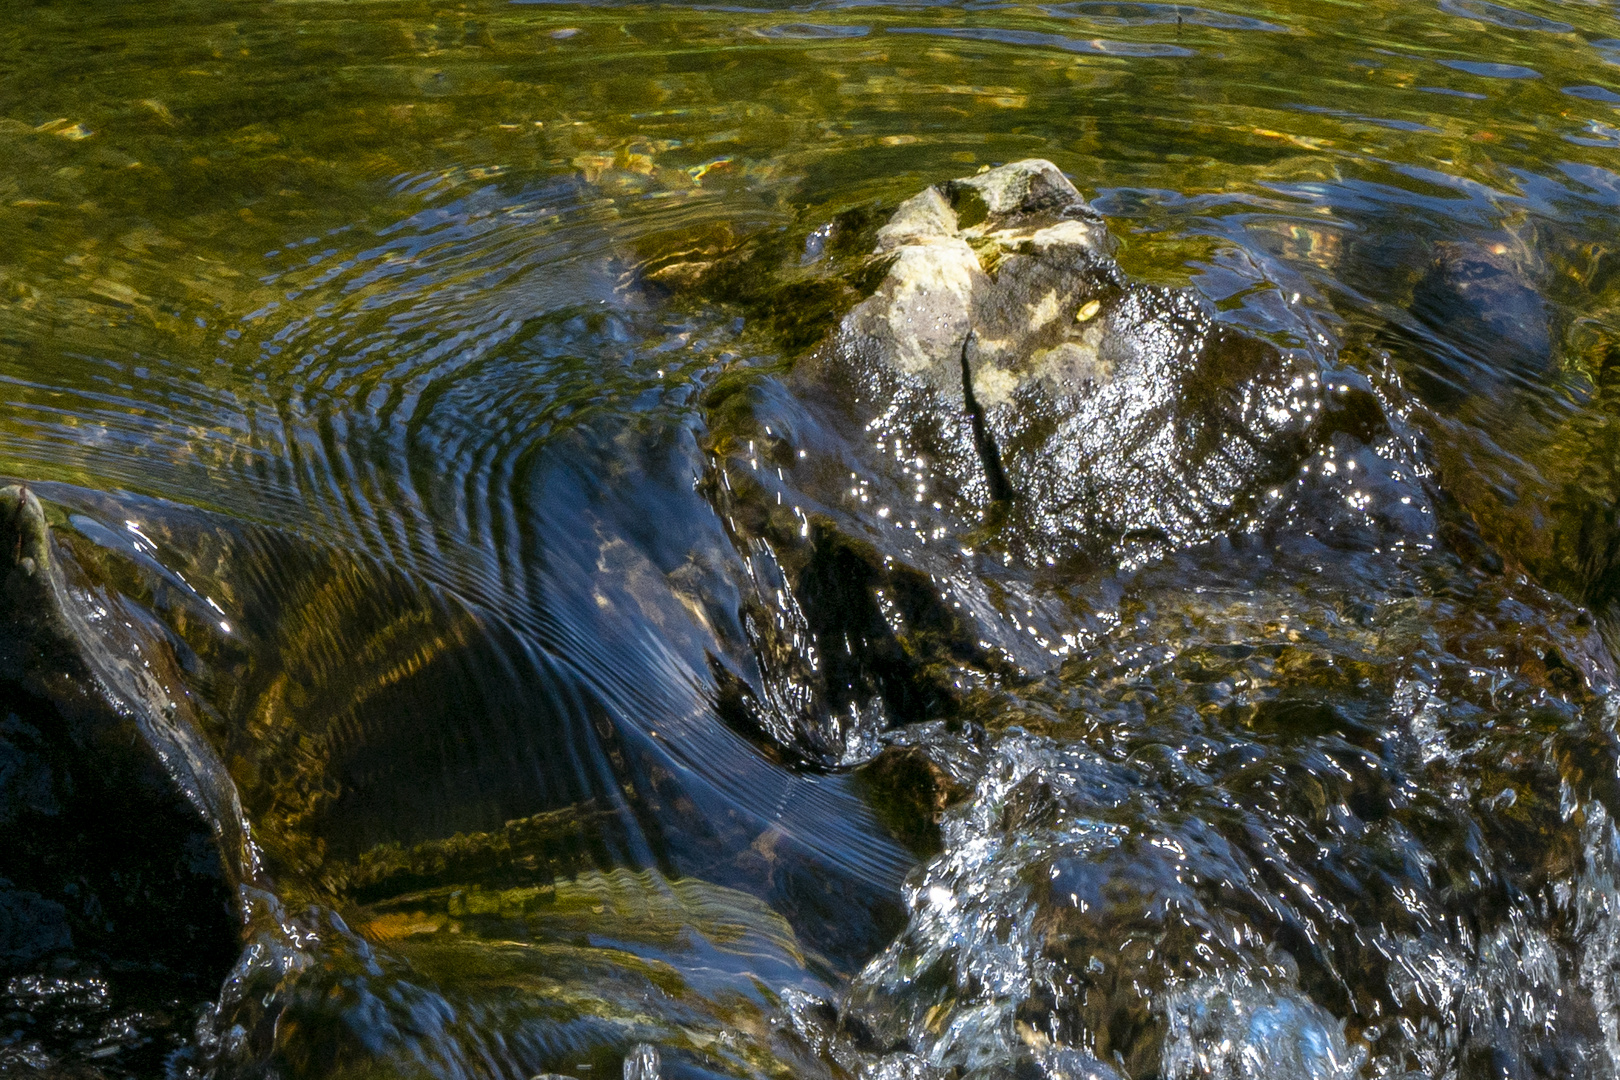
<point>106,861</point>
<point>910,789</point>
<point>491,947</point>
<point>1003,404</point>
<point>70,1020</point>
<point>847,641</point>
<point>381,783</point>
<point>31,927</point>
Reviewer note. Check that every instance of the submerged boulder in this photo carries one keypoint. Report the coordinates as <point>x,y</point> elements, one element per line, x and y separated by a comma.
<point>133,903</point>
<point>1271,840</point>
<point>584,974</point>
<point>1487,324</point>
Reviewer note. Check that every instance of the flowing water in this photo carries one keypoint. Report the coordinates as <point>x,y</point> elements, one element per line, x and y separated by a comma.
<point>581,657</point>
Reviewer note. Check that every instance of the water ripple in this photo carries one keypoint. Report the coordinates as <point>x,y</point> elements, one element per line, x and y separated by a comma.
<point>811,31</point>
<point>1512,19</point>
<point>1593,93</point>
<point>1097,46</point>
<point>1487,70</point>
<point>1112,13</point>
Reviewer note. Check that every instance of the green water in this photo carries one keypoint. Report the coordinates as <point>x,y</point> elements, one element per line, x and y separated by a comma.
<point>155,158</point>
<point>171,173</point>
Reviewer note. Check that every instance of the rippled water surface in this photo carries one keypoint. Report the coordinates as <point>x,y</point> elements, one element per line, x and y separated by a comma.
<point>475,455</point>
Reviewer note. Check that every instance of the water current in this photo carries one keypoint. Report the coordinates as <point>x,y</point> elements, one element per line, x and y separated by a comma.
<point>549,539</point>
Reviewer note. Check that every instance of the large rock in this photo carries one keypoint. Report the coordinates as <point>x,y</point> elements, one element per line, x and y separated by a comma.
<point>1003,392</point>
<point>1010,256</point>
<point>1006,346</point>
<point>110,872</point>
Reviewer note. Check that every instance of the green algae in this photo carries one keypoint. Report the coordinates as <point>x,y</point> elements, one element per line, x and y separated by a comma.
<point>574,972</point>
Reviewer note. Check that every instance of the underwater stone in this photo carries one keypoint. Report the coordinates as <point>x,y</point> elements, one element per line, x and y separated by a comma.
<point>525,977</point>
<point>1479,298</point>
<point>1279,894</point>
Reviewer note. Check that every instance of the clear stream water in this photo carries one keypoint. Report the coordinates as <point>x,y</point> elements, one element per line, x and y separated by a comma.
<point>447,402</point>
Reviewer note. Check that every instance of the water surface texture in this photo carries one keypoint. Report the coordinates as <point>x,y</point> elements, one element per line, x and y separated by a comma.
<point>518,617</point>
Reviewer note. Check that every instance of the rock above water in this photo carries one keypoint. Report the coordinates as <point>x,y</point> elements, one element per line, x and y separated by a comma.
<point>1001,255</point>
<point>108,872</point>
<point>1002,392</point>
<point>1007,346</point>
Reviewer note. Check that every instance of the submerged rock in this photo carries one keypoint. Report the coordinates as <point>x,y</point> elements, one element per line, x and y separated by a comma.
<point>587,975</point>
<point>1478,299</point>
<point>1541,485</point>
<point>485,954</point>
<point>1265,836</point>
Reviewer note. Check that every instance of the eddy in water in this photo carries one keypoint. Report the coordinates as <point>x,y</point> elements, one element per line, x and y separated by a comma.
<point>1157,642</point>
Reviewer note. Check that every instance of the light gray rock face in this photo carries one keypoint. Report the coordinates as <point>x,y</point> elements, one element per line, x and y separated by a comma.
<point>1011,255</point>
<point>1006,340</point>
